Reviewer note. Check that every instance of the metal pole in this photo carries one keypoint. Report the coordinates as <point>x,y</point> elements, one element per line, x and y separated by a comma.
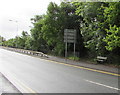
<point>17,33</point>
<point>66,52</point>
<point>74,50</point>
<point>66,48</point>
<point>16,30</point>
<point>74,43</point>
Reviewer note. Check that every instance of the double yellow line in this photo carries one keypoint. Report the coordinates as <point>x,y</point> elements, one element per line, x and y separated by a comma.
<point>17,83</point>
<point>24,87</point>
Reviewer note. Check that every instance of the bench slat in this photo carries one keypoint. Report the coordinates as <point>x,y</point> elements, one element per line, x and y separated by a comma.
<point>99,57</point>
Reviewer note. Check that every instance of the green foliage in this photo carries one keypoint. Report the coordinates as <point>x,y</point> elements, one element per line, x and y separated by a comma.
<point>112,18</point>
<point>112,38</point>
<point>2,40</point>
<point>18,42</point>
<point>100,27</point>
<point>51,29</point>
<point>97,25</point>
<point>56,20</point>
<point>91,28</point>
<point>74,58</point>
<point>37,42</point>
<point>112,13</point>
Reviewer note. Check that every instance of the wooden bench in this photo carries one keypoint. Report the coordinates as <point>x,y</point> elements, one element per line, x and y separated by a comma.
<point>101,59</point>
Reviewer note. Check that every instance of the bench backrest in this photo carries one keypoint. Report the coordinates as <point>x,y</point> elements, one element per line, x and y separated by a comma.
<point>100,57</point>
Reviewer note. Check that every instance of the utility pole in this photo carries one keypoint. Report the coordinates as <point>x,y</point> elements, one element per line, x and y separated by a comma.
<point>16,29</point>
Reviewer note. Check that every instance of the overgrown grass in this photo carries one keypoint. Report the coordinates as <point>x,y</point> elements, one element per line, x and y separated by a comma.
<point>74,58</point>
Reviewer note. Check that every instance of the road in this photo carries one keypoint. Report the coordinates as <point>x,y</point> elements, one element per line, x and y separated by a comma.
<point>43,76</point>
<point>6,86</point>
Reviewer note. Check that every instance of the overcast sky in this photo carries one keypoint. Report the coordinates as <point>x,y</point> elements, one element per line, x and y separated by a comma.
<point>21,11</point>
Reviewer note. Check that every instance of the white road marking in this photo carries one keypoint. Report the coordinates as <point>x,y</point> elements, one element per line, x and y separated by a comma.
<point>102,85</point>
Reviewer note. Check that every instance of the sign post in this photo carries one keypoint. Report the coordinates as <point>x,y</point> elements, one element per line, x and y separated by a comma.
<point>69,37</point>
<point>74,51</point>
<point>66,51</point>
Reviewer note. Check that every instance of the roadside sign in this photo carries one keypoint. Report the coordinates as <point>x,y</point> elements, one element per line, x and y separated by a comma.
<point>70,35</point>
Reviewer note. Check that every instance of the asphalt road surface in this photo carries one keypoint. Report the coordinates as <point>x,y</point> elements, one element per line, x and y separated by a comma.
<point>6,86</point>
<point>37,75</point>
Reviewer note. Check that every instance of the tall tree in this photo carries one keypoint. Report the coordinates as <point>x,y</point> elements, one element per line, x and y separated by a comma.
<point>112,15</point>
<point>37,41</point>
<point>91,27</point>
<point>56,20</point>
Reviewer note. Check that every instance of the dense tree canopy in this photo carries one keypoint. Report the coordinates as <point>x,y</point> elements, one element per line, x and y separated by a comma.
<point>97,25</point>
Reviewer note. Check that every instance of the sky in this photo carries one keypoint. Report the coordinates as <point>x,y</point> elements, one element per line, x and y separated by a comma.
<point>15,15</point>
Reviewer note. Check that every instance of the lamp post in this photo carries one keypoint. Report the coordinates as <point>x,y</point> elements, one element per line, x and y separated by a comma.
<point>16,29</point>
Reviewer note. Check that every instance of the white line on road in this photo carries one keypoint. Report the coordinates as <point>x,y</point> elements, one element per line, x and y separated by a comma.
<point>102,85</point>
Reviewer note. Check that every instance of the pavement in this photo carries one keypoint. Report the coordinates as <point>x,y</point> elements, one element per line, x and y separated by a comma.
<point>84,64</point>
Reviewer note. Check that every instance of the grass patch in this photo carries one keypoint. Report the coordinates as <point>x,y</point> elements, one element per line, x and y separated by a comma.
<point>74,58</point>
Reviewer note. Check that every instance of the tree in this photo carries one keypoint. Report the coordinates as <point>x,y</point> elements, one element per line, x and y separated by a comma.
<point>92,26</point>
<point>56,20</point>
<point>112,15</point>
<point>113,38</point>
<point>28,43</point>
<point>2,40</point>
<point>37,42</point>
